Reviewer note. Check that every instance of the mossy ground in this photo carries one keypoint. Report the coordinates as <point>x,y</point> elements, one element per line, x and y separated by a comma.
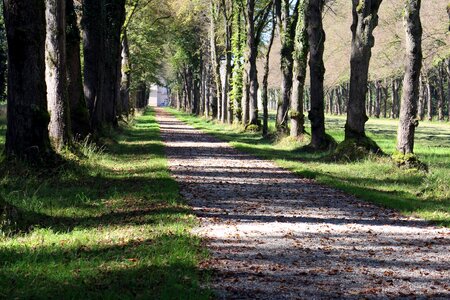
<point>373,178</point>
<point>110,225</point>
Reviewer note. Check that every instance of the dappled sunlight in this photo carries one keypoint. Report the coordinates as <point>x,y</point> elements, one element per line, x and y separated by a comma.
<point>270,230</point>
<point>115,227</point>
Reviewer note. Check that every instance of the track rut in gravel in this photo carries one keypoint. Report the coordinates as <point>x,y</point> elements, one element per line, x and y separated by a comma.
<point>274,235</point>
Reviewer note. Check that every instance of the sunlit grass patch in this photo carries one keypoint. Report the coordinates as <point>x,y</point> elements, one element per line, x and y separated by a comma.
<point>112,226</point>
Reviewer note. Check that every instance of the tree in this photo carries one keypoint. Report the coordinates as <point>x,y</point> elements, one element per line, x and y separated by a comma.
<point>214,53</point>
<point>227,8</point>
<point>79,114</point>
<point>56,73</point>
<point>256,22</point>
<point>3,57</point>
<point>265,82</point>
<point>102,27</point>
<point>365,19</point>
<point>411,81</point>
<point>316,40</point>
<point>301,49</point>
<point>126,76</point>
<point>238,45</point>
<point>286,26</point>
<point>27,125</point>
<point>92,25</point>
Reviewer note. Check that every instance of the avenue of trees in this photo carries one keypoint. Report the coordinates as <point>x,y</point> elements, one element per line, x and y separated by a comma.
<point>68,72</point>
<point>205,84</point>
<point>76,68</point>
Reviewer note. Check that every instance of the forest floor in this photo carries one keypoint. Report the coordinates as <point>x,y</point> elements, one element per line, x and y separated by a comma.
<point>275,235</point>
<point>109,225</point>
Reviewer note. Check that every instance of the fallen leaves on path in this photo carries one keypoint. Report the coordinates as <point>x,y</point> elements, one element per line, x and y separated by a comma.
<point>274,235</point>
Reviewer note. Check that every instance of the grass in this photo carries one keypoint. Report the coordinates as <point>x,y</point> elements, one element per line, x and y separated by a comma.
<point>378,180</point>
<point>108,226</point>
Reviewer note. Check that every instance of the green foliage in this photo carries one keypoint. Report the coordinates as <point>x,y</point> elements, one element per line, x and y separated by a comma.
<point>147,36</point>
<point>238,42</point>
<point>109,225</point>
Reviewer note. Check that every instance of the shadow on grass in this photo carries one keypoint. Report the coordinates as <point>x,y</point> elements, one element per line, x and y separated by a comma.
<point>116,271</point>
<point>128,192</point>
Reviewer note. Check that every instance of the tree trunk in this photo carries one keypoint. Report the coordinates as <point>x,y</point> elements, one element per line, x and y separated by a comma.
<point>93,49</point>
<point>378,100</point>
<point>56,73</point>
<point>408,108</point>
<point>114,19</point>
<point>126,76</point>
<point>227,106</point>
<point>238,67</point>
<point>286,26</point>
<point>421,108</point>
<point>440,92</point>
<point>3,60</point>
<point>316,39</point>
<point>365,19</point>
<point>252,52</point>
<point>301,49</point>
<point>385,92</point>
<point>429,102</point>
<point>370,99</point>
<point>27,124</point>
<point>264,91</point>
<point>245,99</point>
<point>79,114</point>
<point>448,84</point>
<point>339,101</point>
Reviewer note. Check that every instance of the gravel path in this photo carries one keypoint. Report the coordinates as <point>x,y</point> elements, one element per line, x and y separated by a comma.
<point>274,235</point>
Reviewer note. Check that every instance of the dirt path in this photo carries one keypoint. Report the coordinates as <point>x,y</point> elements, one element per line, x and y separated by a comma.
<point>276,236</point>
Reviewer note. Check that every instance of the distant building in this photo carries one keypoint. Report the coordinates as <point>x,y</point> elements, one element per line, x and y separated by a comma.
<point>159,96</point>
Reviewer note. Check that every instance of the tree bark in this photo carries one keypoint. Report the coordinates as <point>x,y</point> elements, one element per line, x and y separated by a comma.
<point>429,103</point>
<point>27,134</point>
<point>238,66</point>
<point>227,107</point>
<point>286,26</point>
<point>56,73</point>
<point>385,98</point>
<point>215,59</point>
<point>265,85</point>
<point>251,55</point>
<point>448,84</point>
<point>316,39</point>
<point>411,81</point>
<point>93,48</point>
<point>440,92</point>
<point>365,19</point>
<point>245,99</point>
<point>79,114</point>
<point>114,19</point>
<point>378,100</point>
<point>421,108</point>
<point>3,60</point>
<point>301,49</point>
<point>126,76</point>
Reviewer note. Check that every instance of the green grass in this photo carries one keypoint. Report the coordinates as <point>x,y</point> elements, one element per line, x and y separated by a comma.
<point>108,226</point>
<point>426,195</point>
